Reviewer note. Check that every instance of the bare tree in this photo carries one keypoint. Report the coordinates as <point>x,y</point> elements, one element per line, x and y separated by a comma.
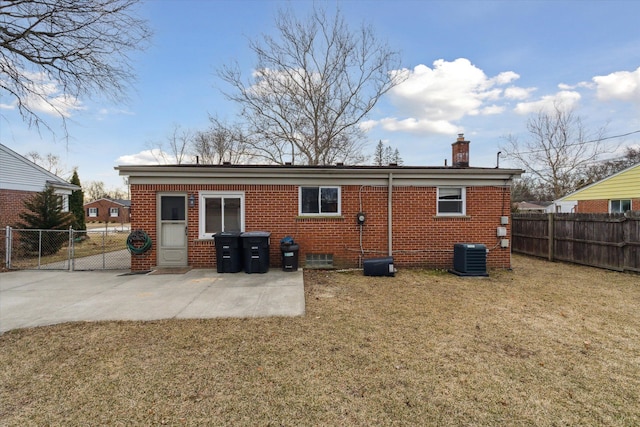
<point>600,170</point>
<point>175,150</point>
<point>311,88</point>
<point>50,162</point>
<point>559,145</point>
<point>385,155</point>
<point>53,52</point>
<point>221,143</point>
<point>94,190</point>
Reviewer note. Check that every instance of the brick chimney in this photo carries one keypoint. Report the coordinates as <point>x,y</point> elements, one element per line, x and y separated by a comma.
<point>460,152</point>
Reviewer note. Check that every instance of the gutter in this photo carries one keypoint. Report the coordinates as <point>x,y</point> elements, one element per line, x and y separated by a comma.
<point>390,214</point>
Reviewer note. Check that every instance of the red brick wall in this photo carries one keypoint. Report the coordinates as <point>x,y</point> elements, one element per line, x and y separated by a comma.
<point>419,237</point>
<point>601,206</point>
<point>11,204</point>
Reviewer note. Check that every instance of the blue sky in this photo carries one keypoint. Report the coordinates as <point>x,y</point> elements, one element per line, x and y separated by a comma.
<point>475,67</point>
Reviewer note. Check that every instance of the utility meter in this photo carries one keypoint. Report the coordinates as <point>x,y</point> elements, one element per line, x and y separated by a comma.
<point>360,218</point>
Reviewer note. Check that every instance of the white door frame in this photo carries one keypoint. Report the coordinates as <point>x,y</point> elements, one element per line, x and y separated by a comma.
<point>172,241</point>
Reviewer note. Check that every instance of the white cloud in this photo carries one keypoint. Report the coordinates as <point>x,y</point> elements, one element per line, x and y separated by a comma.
<point>492,109</point>
<point>46,97</point>
<point>432,99</point>
<point>564,99</point>
<point>146,157</point>
<point>413,125</point>
<point>367,125</point>
<point>621,85</point>
<point>564,86</point>
<point>518,93</point>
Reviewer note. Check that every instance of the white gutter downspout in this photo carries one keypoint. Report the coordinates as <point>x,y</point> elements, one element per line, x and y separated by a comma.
<point>390,214</point>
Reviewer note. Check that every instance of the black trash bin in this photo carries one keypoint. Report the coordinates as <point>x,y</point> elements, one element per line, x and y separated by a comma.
<point>289,256</point>
<point>255,246</point>
<point>228,251</point>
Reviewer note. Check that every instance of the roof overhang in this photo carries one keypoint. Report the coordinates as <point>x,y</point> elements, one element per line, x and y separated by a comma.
<point>62,187</point>
<point>309,175</point>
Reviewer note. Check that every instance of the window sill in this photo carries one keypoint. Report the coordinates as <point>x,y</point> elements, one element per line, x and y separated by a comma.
<point>313,218</point>
<point>452,217</point>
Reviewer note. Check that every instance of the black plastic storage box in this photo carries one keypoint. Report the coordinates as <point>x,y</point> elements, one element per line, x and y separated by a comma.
<point>255,246</point>
<point>469,259</point>
<point>379,267</point>
<point>228,251</point>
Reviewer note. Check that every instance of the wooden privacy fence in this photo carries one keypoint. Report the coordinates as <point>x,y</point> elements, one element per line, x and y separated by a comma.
<point>598,240</point>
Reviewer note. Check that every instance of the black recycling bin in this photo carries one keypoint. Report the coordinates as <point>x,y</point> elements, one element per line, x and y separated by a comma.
<point>255,246</point>
<point>379,267</point>
<point>289,256</point>
<point>228,251</point>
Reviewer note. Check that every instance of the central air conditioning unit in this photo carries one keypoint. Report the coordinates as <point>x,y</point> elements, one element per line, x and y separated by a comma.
<point>469,259</point>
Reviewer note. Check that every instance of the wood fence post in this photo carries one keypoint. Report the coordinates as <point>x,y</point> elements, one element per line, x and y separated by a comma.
<point>551,235</point>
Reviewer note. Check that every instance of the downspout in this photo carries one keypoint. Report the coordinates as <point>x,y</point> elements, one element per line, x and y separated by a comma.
<point>390,214</point>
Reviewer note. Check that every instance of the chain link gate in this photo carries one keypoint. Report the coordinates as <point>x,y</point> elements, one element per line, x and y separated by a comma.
<point>73,250</point>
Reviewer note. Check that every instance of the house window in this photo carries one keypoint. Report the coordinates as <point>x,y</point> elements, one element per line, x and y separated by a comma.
<point>451,201</point>
<point>64,200</point>
<point>619,206</point>
<point>93,212</point>
<point>319,201</point>
<point>113,212</point>
<point>220,211</point>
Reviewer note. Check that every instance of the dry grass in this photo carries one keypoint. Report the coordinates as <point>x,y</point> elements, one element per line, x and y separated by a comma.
<point>546,344</point>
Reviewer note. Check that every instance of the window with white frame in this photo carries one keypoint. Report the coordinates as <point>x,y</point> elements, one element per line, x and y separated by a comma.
<point>319,201</point>
<point>113,212</point>
<point>619,206</point>
<point>220,211</point>
<point>92,212</point>
<point>451,201</point>
<point>64,199</point>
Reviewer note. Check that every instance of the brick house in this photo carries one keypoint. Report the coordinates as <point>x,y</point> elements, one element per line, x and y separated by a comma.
<point>617,193</point>
<point>415,214</point>
<point>20,179</point>
<point>108,210</point>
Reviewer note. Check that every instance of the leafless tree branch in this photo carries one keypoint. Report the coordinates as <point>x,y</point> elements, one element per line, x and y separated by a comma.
<point>558,147</point>
<point>311,88</point>
<point>55,52</point>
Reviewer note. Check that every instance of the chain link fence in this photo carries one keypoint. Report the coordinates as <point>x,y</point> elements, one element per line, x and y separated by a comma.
<point>27,249</point>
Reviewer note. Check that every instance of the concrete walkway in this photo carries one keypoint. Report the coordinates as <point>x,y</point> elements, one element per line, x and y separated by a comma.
<point>37,298</point>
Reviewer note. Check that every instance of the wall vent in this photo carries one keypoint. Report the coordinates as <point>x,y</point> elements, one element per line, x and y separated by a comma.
<point>469,259</point>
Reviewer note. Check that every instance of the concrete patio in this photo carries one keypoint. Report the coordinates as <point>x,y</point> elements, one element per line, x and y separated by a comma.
<point>37,298</point>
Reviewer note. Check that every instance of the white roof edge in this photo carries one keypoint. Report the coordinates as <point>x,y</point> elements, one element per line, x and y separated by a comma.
<point>360,172</point>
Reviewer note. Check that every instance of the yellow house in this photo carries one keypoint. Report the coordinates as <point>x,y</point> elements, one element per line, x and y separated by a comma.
<point>617,193</point>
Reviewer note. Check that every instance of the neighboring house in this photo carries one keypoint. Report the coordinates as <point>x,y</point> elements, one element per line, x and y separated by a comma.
<point>617,193</point>
<point>531,206</point>
<point>416,214</point>
<point>562,206</point>
<point>20,179</point>
<point>108,210</point>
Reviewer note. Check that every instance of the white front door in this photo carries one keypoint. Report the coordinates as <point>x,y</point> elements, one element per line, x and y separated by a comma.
<point>172,230</point>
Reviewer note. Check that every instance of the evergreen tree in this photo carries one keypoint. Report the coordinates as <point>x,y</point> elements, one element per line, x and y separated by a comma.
<point>76,204</point>
<point>396,158</point>
<point>44,212</point>
<point>388,155</point>
<point>378,155</point>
